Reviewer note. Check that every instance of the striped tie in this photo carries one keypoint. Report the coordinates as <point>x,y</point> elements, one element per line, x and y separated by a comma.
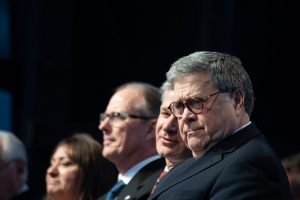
<point>161,176</point>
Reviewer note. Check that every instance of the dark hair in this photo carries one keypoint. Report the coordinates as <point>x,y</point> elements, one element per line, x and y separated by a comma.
<point>87,153</point>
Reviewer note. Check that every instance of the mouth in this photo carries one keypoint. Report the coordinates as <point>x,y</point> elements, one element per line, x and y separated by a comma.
<point>107,141</point>
<point>192,132</point>
<point>52,182</point>
<point>167,141</point>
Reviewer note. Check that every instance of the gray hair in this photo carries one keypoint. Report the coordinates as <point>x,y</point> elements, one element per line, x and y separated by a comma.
<point>165,87</point>
<point>224,70</point>
<point>12,148</point>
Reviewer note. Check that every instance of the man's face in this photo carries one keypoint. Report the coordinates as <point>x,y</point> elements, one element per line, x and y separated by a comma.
<point>125,138</point>
<point>168,141</point>
<point>217,119</point>
<point>9,179</point>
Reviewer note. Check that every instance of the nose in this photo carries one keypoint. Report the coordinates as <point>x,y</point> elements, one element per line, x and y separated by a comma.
<point>52,170</point>
<point>171,125</point>
<point>103,124</point>
<point>188,115</point>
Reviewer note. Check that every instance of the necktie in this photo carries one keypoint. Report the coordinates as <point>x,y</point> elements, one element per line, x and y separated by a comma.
<point>161,176</point>
<point>115,190</point>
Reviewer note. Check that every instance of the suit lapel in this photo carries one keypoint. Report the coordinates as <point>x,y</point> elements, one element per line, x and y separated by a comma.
<point>146,177</point>
<point>192,167</point>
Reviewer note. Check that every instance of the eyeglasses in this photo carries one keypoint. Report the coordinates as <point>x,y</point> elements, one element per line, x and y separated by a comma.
<point>116,118</point>
<point>195,105</point>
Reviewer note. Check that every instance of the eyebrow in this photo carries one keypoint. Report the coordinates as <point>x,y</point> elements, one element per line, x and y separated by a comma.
<point>61,158</point>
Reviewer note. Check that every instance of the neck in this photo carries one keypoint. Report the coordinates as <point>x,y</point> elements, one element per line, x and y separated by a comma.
<point>127,162</point>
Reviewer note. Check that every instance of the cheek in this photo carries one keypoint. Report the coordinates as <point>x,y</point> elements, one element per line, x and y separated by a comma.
<point>159,129</point>
<point>157,137</point>
<point>135,137</point>
<point>180,128</point>
<point>137,131</point>
<point>70,178</point>
<point>182,135</point>
<point>120,136</point>
<point>159,125</point>
<point>216,121</point>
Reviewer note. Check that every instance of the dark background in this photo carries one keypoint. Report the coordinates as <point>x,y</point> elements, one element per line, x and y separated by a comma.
<point>68,55</point>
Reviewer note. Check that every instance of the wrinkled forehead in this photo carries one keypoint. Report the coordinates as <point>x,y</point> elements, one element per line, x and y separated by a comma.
<point>192,85</point>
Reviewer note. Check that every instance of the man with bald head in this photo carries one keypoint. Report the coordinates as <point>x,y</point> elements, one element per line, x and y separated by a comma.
<point>128,128</point>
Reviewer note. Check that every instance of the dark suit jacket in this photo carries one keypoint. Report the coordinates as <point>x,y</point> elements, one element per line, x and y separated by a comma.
<point>243,166</point>
<point>24,196</point>
<point>140,186</point>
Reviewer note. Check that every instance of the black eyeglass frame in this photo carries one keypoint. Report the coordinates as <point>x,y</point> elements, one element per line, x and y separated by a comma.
<point>123,115</point>
<point>186,104</point>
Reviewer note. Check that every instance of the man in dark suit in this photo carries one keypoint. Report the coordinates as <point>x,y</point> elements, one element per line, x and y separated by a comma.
<point>128,127</point>
<point>169,144</point>
<point>232,159</point>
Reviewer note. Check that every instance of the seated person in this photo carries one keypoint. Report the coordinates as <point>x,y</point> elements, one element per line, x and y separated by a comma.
<point>77,170</point>
<point>13,168</point>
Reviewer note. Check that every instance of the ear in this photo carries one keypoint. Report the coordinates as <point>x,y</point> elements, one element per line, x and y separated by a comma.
<point>238,98</point>
<point>151,129</point>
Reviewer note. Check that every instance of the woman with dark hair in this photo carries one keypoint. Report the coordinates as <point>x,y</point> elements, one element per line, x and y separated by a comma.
<point>77,170</point>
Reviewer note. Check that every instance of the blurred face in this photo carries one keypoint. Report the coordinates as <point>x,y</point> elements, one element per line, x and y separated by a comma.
<point>293,176</point>
<point>168,141</point>
<point>124,139</point>
<point>218,118</point>
<point>10,179</point>
<point>63,176</point>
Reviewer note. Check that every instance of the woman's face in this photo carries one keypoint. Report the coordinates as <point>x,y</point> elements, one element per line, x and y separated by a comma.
<point>63,176</point>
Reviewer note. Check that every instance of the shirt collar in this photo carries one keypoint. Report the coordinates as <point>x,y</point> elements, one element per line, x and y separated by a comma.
<point>127,176</point>
<point>247,124</point>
